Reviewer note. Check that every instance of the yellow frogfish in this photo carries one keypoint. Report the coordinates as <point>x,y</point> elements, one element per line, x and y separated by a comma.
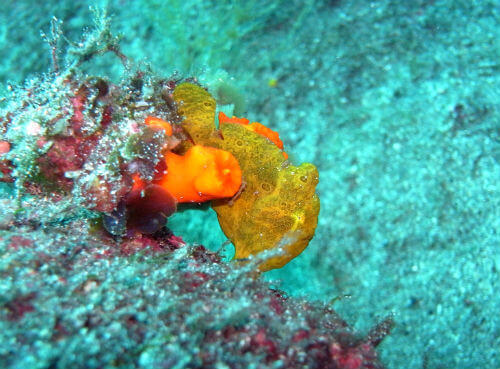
<point>277,207</point>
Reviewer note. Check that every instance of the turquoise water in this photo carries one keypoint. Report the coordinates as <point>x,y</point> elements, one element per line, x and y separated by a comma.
<point>397,105</point>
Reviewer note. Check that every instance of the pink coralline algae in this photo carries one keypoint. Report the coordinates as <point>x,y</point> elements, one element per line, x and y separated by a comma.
<point>154,292</point>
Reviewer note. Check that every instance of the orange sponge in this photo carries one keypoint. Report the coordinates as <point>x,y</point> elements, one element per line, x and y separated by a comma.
<point>201,174</point>
<point>256,127</point>
<point>223,118</point>
<point>158,123</point>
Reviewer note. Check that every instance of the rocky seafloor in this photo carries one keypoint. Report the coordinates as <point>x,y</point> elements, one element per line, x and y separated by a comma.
<point>83,288</point>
